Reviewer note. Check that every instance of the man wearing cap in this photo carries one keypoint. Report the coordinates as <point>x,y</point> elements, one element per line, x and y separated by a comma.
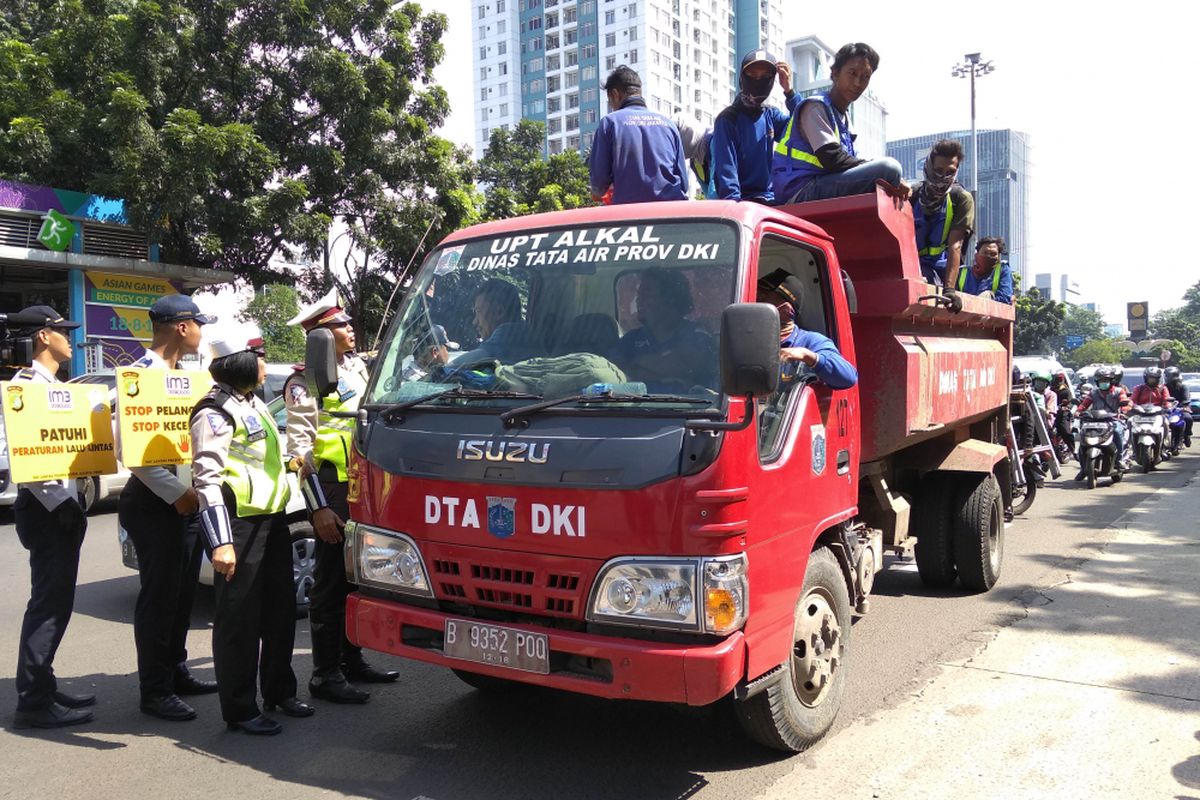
<point>158,510</point>
<point>319,443</point>
<point>50,524</point>
<point>786,292</point>
<point>636,152</point>
<point>744,133</point>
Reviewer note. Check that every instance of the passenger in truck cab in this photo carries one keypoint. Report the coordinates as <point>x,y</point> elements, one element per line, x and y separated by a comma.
<point>503,335</point>
<point>744,133</point>
<point>668,348</point>
<point>816,159</point>
<point>786,292</point>
<point>943,214</point>
<point>988,276</point>
<point>636,152</point>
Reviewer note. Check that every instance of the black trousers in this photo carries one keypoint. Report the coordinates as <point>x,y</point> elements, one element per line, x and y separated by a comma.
<point>254,625</point>
<point>168,549</point>
<point>53,539</point>
<point>327,598</point>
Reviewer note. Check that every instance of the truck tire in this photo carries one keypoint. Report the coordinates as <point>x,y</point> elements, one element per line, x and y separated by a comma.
<point>932,522</point>
<point>979,533</point>
<point>1028,492</point>
<point>800,703</point>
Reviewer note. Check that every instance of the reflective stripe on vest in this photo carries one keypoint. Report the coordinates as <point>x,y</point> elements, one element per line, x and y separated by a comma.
<point>787,146</point>
<point>334,434</point>
<point>962,278</point>
<point>935,250</point>
<point>254,470</point>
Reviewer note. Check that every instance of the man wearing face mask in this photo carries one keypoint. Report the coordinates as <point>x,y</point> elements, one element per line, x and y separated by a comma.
<point>745,132</point>
<point>786,292</point>
<point>1109,396</point>
<point>943,214</point>
<point>989,276</point>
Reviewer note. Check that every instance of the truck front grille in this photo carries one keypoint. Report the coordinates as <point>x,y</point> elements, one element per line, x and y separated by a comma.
<point>553,586</point>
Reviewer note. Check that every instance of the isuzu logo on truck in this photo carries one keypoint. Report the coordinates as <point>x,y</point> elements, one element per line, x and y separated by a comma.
<point>512,452</point>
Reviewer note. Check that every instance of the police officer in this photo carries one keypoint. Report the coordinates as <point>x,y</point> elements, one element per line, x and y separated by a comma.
<point>319,444</point>
<point>239,474</point>
<point>50,524</point>
<point>158,510</point>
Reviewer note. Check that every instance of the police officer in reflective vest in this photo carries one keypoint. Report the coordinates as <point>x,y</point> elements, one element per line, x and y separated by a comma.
<point>239,474</point>
<point>319,445</point>
<point>158,510</point>
<point>50,524</point>
<point>943,214</point>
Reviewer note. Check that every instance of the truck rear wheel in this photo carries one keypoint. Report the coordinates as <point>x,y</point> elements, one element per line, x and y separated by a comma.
<point>932,519</point>
<point>799,705</point>
<point>979,533</point>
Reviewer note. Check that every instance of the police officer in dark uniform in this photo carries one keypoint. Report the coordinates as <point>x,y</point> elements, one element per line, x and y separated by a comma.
<point>50,524</point>
<point>319,444</point>
<point>239,474</point>
<point>158,510</point>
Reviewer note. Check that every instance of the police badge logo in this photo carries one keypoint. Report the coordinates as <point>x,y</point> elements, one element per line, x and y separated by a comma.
<point>502,516</point>
<point>818,449</point>
<point>18,397</point>
<point>254,428</point>
<point>130,379</point>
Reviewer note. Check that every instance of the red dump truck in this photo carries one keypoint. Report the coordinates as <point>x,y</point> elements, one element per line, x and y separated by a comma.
<point>614,491</point>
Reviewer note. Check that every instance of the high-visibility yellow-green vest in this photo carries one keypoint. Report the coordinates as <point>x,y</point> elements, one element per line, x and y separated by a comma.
<point>335,434</point>
<point>962,278</point>
<point>254,469</point>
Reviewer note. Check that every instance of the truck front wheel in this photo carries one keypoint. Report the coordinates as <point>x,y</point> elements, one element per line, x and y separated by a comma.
<point>799,704</point>
<point>979,533</point>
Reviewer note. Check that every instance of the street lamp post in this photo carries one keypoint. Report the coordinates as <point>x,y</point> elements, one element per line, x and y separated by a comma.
<point>972,66</point>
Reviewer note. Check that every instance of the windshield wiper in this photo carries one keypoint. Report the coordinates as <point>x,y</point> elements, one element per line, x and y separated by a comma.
<point>454,392</point>
<point>508,416</point>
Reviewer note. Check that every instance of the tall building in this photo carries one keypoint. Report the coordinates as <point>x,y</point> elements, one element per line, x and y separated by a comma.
<point>545,59</point>
<point>1067,288</point>
<point>1042,282</point>
<point>811,61</point>
<point>1002,200</point>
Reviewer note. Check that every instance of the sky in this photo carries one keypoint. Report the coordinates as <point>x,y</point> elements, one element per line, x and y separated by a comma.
<point>1065,72</point>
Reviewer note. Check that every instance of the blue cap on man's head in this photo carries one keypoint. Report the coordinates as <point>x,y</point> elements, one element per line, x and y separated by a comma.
<point>178,308</point>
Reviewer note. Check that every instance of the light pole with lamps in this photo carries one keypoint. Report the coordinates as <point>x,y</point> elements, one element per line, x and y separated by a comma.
<point>972,66</point>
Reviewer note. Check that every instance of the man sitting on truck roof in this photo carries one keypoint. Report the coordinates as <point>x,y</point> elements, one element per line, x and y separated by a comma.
<point>636,152</point>
<point>504,337</point>
<point>943,214</point>
<point>744,133</point>
<point>816,160</point>
<point>988,276</point>
<point>668,348</point>
<point>786,292</point>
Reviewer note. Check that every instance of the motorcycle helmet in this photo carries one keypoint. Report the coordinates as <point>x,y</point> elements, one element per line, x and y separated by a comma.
<point>1118,374</point>
<point>1039,379</point>
<point>1085,388</point>
<point>1060,378</point>
<point>1151,376</point>
<point>1016,375</point>
<point>1171,376</point>
<point>1105,377</point>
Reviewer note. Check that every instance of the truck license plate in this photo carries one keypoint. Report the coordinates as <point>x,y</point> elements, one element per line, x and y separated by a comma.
<point>494,644</point>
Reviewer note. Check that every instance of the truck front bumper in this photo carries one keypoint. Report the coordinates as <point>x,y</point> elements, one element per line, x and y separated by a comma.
<point>603,666</point>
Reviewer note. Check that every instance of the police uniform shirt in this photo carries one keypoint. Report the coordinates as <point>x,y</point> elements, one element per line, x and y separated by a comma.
<point>212,434</point>
<point>303,408</point>
<point>51,494</point>
<point>160,480</point>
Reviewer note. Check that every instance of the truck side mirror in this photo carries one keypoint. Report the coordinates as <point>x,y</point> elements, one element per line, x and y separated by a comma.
<point>749,349</point>
<point>320,362</point>
<point>851,294</point>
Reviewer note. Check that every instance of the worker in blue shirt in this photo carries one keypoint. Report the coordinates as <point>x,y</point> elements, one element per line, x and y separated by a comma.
<point>988,276</point>
<point>744,134</point>
<point>636,152</point>
<point>786,292</point>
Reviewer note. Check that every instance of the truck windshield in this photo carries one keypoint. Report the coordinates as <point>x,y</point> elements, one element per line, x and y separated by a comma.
<point>627,310</point>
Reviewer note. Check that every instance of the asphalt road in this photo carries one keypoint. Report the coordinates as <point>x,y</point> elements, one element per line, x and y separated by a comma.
<point>431,736</point>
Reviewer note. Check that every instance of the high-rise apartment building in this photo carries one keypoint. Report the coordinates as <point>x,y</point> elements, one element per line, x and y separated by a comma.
<point>811,61</point>
<point>1002,198</point>
<point>545,59</point>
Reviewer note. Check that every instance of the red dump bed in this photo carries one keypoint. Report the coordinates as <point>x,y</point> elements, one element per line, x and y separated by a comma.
<point>923,369</point>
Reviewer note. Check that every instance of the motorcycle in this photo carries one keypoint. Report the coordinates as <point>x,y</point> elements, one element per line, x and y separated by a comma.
<point>1098,446</point>
<point>1176,425</point>
<point>1148,435</point>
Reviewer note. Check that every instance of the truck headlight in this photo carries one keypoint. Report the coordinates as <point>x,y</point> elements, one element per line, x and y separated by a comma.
<point>702,594</point>
<point>386,559</point>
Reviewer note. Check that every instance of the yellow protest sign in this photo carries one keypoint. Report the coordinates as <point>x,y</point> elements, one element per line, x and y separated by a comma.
<point>154,409</point>
<point>57,430</point>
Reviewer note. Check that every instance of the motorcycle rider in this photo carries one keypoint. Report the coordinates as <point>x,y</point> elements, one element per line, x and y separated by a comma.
<point>1109,396</point>
<point>1047,396</point>
<point>1179,391</point>
<point>1062,390</point>
<point>1151,392</point>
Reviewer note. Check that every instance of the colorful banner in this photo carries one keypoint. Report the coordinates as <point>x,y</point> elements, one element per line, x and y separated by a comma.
<point>118,323</point>
<point>126,290</point>
<point>154,411</point>
<point>116,313</point>
<point>28,197</point>
<point>57,430</point>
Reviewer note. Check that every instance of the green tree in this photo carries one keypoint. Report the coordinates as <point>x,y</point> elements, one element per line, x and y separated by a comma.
<point>238,130</point>
<point>520,179</point>
<point>1080,321</point>
<point>273,305</point>
<point>1097,351</point>
<point>1182,325</point>
<point>1039,322</point>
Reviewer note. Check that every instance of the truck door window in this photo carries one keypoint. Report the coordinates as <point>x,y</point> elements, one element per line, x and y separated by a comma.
<point>775,412</point>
